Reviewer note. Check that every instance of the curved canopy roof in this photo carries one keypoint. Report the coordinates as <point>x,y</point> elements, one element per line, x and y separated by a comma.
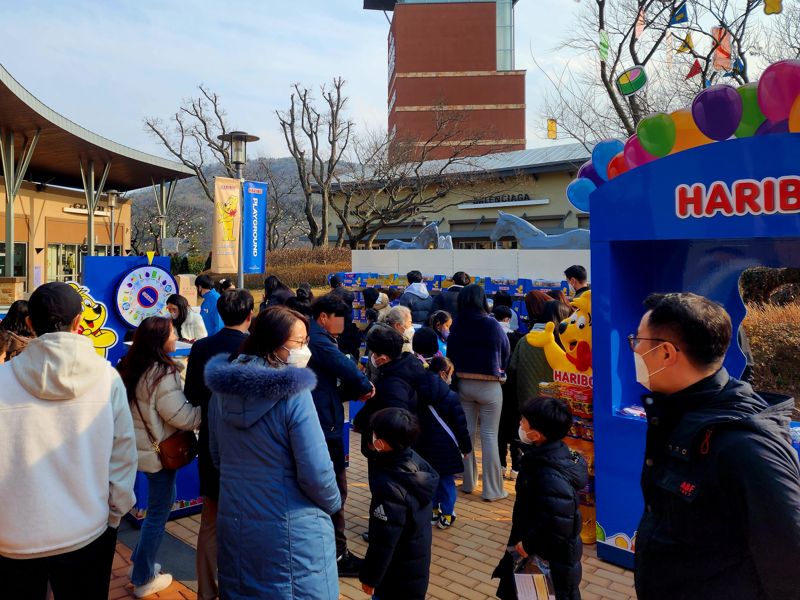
<point>63,145</point>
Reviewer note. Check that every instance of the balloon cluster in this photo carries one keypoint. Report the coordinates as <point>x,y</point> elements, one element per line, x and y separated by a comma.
<point>719,112</point>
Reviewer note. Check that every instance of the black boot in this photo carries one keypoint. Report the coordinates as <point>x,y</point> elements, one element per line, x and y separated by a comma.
<point>349,565</point>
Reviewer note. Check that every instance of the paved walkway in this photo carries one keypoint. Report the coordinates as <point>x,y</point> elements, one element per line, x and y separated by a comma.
<point>464,556</point>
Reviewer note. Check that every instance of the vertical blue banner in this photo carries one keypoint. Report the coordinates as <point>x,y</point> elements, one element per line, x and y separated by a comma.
<point>255,226</point>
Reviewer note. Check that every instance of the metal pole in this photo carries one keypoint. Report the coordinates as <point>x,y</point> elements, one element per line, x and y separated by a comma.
<point>90,198</point>
<point>163,213</point>
<point>111,208</point>
<point>240,175</point>
<point>10,177</point>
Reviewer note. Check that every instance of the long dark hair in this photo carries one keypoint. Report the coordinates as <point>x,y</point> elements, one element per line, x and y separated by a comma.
<point>472,298</point>
<point>14,320</point>
<point>146,352</point>
<point>272,284</point>
<point>269,331</point>
<point>182,304</point>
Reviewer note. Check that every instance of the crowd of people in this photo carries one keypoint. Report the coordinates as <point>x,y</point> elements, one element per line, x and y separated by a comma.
<point>266,387</point>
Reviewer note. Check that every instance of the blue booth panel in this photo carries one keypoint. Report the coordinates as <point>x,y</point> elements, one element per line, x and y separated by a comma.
<point>690,222</point>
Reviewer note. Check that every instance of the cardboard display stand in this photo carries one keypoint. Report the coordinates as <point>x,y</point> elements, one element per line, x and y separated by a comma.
<point>689,222</point>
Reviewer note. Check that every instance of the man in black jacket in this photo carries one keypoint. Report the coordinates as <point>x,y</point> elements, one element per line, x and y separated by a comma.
<point>236,310</point>
<point>416,298</point>
<point>576,277</point>
<point>448,299</point>
<point>721,482</point>
<point>349,338</point>
<point>338,380</point>
<point>397,565</point>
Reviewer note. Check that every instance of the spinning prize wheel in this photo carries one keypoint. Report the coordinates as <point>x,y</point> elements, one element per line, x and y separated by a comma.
<point>142,292</point>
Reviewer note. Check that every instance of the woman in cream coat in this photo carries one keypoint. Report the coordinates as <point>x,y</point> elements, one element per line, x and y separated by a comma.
<point>159,409</point>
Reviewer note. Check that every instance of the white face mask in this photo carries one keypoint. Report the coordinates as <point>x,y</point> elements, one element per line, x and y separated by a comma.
<point>375,443</point>
<point>374,361</point>
<point>523,436</point>
<point>506,326</point>
<point>299,357</point>
<point>409,334</point>
<point>643,375</point>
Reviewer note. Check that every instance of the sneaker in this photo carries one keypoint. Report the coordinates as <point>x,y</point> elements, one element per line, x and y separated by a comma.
<point>349,565</point>
<point>513,475</point>
<point>157,584</point>
<point>157,568</point>
<point>365,536</point>
<point>435,517</point>
<point>445,521</point>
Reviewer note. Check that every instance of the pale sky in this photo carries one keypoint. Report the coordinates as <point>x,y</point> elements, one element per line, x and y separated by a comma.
<point>109,64</point>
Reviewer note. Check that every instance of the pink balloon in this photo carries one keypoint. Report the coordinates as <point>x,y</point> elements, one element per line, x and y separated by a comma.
<point>778,88</point>
<point>635,154</point>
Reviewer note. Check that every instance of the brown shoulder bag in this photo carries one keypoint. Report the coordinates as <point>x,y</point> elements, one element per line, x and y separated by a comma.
<point>177,451</point>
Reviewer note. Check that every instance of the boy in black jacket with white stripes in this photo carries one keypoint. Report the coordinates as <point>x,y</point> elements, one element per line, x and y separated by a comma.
<point>397,565</point>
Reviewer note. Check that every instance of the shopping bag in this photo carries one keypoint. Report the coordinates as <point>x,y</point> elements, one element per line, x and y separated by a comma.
<point>532,577</point>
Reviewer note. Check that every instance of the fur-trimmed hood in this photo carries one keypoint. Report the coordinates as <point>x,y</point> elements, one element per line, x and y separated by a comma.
<point>248,388</point>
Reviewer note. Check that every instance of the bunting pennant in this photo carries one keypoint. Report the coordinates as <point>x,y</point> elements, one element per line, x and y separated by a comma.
<point>773,7</point>
<point>603,45</point>
<point>722,52</point>
<point>552,129</point>
<point>640,24</point>
<point>680,16</point>
<point>695,70</point>
<point>687,44</point>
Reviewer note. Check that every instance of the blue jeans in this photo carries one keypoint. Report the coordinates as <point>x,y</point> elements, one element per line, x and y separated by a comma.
<point>445,496</point>
<point>160,498</point>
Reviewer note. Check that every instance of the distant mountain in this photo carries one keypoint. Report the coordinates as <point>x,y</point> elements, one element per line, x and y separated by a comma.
<point>190,193</point>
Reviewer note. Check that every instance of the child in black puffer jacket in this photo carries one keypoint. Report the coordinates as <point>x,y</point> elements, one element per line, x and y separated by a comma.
<point>546,520</point>
<point>397,565</point>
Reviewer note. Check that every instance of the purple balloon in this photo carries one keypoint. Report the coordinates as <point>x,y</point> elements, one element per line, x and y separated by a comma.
<point>717,111</point>
<point>770,127</point>
<point>635,155</point>
<point>588,171</point>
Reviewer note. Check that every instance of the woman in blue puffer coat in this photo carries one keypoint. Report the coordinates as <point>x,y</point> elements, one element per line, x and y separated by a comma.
<point>277,486</point>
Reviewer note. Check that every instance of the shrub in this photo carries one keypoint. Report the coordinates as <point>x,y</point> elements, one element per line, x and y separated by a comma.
<point>774,333</point>
<point>294,266</point>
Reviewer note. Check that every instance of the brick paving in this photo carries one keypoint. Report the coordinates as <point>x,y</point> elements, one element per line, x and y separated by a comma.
<point>464,556</point>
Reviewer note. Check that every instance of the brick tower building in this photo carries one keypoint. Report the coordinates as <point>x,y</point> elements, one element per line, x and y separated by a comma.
<point>453,60</point>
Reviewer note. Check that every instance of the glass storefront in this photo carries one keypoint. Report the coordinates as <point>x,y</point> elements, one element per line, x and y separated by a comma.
<point>20,262</point>
<point>65,261</point>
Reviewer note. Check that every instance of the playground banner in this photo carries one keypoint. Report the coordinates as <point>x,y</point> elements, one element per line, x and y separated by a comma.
<point>227,225</point>
<point>255,226</point>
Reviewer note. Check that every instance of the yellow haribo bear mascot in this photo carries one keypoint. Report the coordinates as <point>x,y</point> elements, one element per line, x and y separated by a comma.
<point>92,320</point>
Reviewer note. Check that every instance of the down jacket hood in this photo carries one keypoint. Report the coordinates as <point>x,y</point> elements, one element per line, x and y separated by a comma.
<point>407,472</point>
<point>248,388</point>
<point>58,366</point>
<point>419,290</point>
<point>558,456</point>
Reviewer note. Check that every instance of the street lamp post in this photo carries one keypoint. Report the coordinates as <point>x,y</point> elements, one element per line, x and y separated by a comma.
<point>238,143</point>
<point>112,204</point>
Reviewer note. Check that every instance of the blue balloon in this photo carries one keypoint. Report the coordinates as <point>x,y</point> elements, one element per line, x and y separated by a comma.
<point>578,193</point>
<point>603,153</point>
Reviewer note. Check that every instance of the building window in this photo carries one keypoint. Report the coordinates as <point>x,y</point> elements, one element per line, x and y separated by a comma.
<point>505,35</point>
<point>20,259</point>
<point>392,56</point>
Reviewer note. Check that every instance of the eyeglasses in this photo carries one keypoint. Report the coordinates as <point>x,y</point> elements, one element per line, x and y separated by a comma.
<point>633,341</point>
<point>303,342</point>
